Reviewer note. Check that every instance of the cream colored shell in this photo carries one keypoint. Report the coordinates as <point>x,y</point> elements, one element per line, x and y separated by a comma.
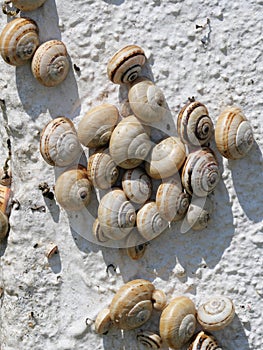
<point>4,225</point>
<point>98,233</point>
<point>199,212</point>
<point>18,41</point>
<point>28,5</point>
<point>137,185</point>
<point>103,321</point>
<point>159,299</point>
<point>149,339</point>
<point>204,341</point>
<point>50,63</point>
<point>96,126</point>
<point>5,198</point>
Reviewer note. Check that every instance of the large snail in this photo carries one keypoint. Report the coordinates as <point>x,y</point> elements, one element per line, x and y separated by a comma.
<point>204,341</point>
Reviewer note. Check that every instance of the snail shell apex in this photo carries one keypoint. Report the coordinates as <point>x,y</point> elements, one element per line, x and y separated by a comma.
<point>28,5</point>
<point>204,341</point>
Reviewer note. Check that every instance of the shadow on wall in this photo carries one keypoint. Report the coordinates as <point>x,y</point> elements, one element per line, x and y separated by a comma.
<point>114,2</point>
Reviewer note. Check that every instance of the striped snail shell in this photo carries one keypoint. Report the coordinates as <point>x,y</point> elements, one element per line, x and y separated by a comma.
<point>103,321</point>
<point>200,173</point>
<point>73,189</point>
<point>166,158</point>
<point>28,5</point>
<point>59,144</point>
<point>147,101</point>
<point>5,199</point>
<point>116,215</point>
<point>130,143</point>
<point>96,126</point>
<point>178,322</point>
<point>204,341</point>
<point>50,64</point>
<point>194,125</point>
<point>4,225</point>
<point>137,185</point>
<point>98,233</point>
<point>5,177</point>
<point>126,64</point>
<point>233,133</point>
<point>216,313</point>
<point>199,212</point>
<point>18,41</point>
<point>149,339</point>
<point>132,306</point>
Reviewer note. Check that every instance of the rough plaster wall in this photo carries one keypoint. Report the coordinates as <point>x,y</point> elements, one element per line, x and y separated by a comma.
<point>224,258</point>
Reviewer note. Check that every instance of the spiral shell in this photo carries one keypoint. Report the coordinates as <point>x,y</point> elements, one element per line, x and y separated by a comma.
<point>147,101</point>
<point>204,341</point>
<point>137,185</point>
<point>28,5</point>
<point>126,64</point>
<point>50,64</point>
<point>149,339</point>
<point>18,41</point>
<point>5,197</point>
<point>116,215</point>
<point>59,144</point>
<point>4,225</point>
<point>233,133</point>
<point>166,158</point>
<point>96,126</point>
<point>73,189</point>
<point>194,125</point>
<point>103,321</point>
<point>216,313</point>
<point>131,306</point>
<point>98,233</point>
<point>129,143</point>
<point>159,299</point>
<point>199,213</point>
<point>149,222</point>
<point>200,173</point>
<point>178,322</point>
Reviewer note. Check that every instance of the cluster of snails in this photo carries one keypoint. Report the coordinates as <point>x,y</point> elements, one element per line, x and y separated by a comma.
<point>5,202</point>
<point>19,43</point>
<point>132,306</point>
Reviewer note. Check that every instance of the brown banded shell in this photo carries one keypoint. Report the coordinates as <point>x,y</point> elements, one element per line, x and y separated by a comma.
<point>96,126</point>
<point>194,125</point>
<point>4,225</point>
<point>204,341</point>
<point>199,212</point>
<point>5,177</point>
<point>50,63</point>
<point>59,144</point>
<point>149,339</point>
<point>28,5</point>
<point>98,233</point>
<point>103,321</point>
<point>18,41</point>
<point>126,64</point>
<point>73,189</point>
<point>200,173</point>
<point>137,185</point>
<point>132,306</point>
<point>233,133</point>
<point>178,322</point>
<point>5,197</point>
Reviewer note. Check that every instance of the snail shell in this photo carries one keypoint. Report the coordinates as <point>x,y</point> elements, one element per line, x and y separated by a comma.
<point>73,189</point>
<point>136,245</point>
<point>28,5</point>
<point>149,222</point>
<point>137,185</point>
<point>116,215</point>
<point>147,101</point>
<point>96,126</point>
<point>199,213</point>
<point>172,203</point>
<point>200,173</point>
<point>59,144</point>
<point>5,177</point>
<point>5,197</point>
<point>103,321</point>
<point>216,313</point>
<point>194,125</point>
<point>98,233</point>
<point>102,170</point>
<point>129,143</point>
<point>166,158</point>
<point>233,133</point>
<point>126,64</point>
<point>50,64</point>
<point>178,322</point>
<point>132,306</point>
<point>149,339</point>
<point>204,341</point>
<point>159,299</point>
<point>18,41</point>
<point>4,225</point>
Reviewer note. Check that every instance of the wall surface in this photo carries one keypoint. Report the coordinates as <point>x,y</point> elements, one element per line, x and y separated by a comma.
<point>52,304</point>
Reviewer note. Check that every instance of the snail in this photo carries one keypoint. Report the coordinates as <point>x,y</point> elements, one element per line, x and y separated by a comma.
<point>200,173</point>
<point>149,339</point>
<point>98,233</point>
<point>166,158</point>
<point>103,321</point>
<point>204,341</point>
<point>147,101</point>
<point>233,133</point>
<point>18,41</point>
<point>59,144</point>
<point>26,5</point>
<point>126,64</point>
<point>199,212</point>
<point>172,203</point>
<point>73,189</point>
<point>4,225</point>
<point>194,125</point>
<point>116,215</point>
<point>129,143</point>
<point>137,185</point>
<point>136,245</point>
<point>96,126</point>
<point>50,64</point>
<point>159,299</point>
<point>149,222</point>
<point>102,170</point>
<point>5,199</point>
<point>5,177</point>
<point>216,313</point>
<point>178,322</point>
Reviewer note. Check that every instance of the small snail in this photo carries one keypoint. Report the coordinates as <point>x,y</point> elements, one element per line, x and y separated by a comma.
<point>126,64</point>
<point>194,125</point>
<point>136,245</point>
<point>178,322</point>
<point>5,198</point>
<point>5,177</point>
<point>96,126</point>
<point>233,133</point>
<point>27,5</point>
<point>98,233</point>
<point>137,185</point>
<point>159,299</point>
<point>50,64</point>
<point>103,322</point>
<point>4,225</point>
<point>73,189</point>
<point>149,339</point>
<point>59,144</point>
<point>204,341</point>
<point>199,212</point>
<point>216,313</point>
<point>18,41</point>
